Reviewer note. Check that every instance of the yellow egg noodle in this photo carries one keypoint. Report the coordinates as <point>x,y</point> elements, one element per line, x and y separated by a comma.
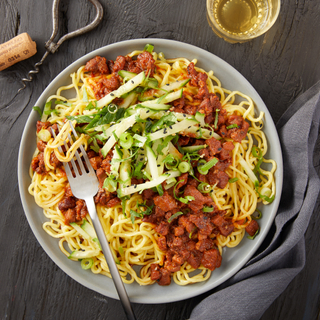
<point>134,246</point>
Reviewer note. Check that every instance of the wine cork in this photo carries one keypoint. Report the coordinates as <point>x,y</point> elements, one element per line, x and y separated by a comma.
<point>17,49</point>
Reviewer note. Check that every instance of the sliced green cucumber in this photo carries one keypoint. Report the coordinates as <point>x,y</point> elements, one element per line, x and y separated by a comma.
<point>129,99</point>
<point>127,75</point>
<point>191,149</point>
<point>121,127</point>
<point>175,128</point>
<point>152,162</point>
<point>201,133</point>
<point>155,106</point>
<point>83,254</point>
<point>127,87</point>
<point>88,228</point>
<point>200,117</point>
<point>83,233</point>
<point>174,85</point>
<point>148,184</point>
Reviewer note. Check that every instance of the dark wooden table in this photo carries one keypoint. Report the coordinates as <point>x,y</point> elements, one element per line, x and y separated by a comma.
<point>281,65</point>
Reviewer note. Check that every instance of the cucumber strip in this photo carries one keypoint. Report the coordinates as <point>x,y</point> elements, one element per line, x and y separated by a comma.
<point>200,117</point>
<point>174,151</point>
<point>127,87</point>
<point>96,240</point>
<point>248,171</point>
<point>170,97</point>
<point>154,106</point>
<point>115,165</point>
<point>152,83</point>
<point>126,74</point>
<point>83,233</point>
<point>83,254</point>
<point>180,126</point>
<point>122,127</point>
<point>191,149</point>
<point>125,171</point>
<point>153,114</point>
<point>141,140</point>
<point>174,85</point>
<point>149,184</point>
<point>152,162</point>
<point>108,132</point>
<point>88,228</point>
<point>87,232</point>
<point>201,133</point>
<point>45,114</point>
<point>128,100</point>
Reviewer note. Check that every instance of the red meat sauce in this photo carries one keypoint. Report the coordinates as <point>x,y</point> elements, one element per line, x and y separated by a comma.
<point>107,71</point>
<point>191,236</point>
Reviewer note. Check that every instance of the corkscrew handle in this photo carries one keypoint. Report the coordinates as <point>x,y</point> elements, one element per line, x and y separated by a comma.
<point>51,46</point>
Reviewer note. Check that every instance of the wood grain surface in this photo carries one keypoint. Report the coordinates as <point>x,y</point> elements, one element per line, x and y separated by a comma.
<point>280,65</point>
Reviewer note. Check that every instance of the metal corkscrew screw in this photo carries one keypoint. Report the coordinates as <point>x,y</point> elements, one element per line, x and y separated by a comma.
<point>51,46</point>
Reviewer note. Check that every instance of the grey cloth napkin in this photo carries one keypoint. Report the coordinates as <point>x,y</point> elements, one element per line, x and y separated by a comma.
<point>268,273</point>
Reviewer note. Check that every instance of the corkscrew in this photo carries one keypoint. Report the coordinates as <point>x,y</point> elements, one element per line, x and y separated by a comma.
<point>52,47</point>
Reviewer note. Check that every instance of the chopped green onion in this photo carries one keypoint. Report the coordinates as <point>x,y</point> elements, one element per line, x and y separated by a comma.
<point>95,146</point>
<point>204,187</point>
<point>35,108</point>
<point>233,180</point>
<point>252,237</point>
<point>110,184</point>
<point>85,95</point>
<point>112,108</point>
<point>263,197</point>
<point>257,215</point>
<point>121,251</point>
<point>63,102</point>
<point>90,106</point>
<point>148,47</point>
<point>160,189</point>
<point>184,167</point>
<point>190,234</point>
<point>125,140</point>
<point>170,183</point>
<point>137,128</point>
<point>134,215</point>
<point>256,152</point>
<point>203,169</point>
<point>177,214</point>
<point>86,263</point>
<point>216,119</point>
<point>207,209</point>
<point>171,161</point>
<point>232,126</point>
<point>186,199</point>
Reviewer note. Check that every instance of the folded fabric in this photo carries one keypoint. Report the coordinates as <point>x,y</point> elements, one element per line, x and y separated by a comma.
<point>268,273</point>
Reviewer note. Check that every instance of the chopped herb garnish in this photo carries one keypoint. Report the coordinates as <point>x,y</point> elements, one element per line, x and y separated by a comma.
<point>35,108</point>
<point>177,214</point>
<point>252,237</point>
<point>232,126</point>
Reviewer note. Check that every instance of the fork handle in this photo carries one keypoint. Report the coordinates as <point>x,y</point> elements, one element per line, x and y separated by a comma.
<point>110,260</point>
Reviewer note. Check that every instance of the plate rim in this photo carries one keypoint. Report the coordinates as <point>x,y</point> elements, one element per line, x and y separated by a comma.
<point>164,297</point>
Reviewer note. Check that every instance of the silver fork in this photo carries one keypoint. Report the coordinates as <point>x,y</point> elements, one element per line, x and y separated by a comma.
<point>84,186</point>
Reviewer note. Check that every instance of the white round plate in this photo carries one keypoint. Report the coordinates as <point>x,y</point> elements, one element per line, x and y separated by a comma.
<point>232,259</point>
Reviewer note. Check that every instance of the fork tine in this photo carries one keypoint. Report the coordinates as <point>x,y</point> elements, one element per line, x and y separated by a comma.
<point>77,154</point>
<point>66,165</point>
<point>84,154</point>
<point>73,164</point>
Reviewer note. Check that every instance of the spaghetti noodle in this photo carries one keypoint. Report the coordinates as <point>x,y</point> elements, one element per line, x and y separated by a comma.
<point>180,160</point>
